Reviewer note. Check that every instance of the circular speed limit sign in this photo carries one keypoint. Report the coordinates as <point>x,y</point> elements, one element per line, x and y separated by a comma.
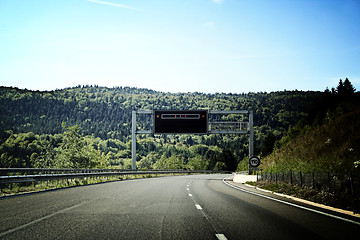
<point>254,161</point>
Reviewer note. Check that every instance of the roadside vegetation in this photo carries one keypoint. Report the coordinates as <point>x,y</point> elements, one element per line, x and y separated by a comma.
<point>26,187</point>
<point>327,143</point>
<point>90,127</point>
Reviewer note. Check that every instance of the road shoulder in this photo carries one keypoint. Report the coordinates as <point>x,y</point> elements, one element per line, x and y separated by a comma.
<point>239,181</point>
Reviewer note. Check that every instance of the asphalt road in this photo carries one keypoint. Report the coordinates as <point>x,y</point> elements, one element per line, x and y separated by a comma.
<point>180,207</point>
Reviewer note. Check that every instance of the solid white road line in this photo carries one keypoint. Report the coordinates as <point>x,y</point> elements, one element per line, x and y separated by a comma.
<point>292,204</point>
<point>221,236</point>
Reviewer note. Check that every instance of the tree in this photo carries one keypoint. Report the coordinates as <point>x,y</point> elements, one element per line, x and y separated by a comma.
<point>229,159</point>
<point>348,87</point>
<point>225,160</point>
<point>76,152</point>
<point>197,163</point>
<point>345,88</point>
<point>220,166</point>
<point>268,144</point>
<point>174,163</point>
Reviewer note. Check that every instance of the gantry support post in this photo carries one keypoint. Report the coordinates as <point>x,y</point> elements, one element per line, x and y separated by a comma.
<point>251,135</point>
<point>133,141</point>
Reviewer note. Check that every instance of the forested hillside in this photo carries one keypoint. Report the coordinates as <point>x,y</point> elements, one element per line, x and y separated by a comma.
<point>32,129</point>
<point>328,142</point>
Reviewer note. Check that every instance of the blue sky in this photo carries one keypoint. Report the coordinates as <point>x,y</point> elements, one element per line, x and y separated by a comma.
<point>180,45</point>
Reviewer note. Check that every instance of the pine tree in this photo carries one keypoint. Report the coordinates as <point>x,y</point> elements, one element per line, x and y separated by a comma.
<point>345,88</point>
<point>348,87</point>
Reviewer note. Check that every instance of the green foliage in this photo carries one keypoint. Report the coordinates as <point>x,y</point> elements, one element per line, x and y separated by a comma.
<point>27,149</point>
<point>225,161</point>
<point>331,146</point>
<point>268,144</point>
<point>98,129</point>
<point>67,150</point>
<point>243,165</point>
<point>220,166</point>
<point>76,152</point>
<point>171,163</point>
<point>105,113</point>
<point>197,163</point>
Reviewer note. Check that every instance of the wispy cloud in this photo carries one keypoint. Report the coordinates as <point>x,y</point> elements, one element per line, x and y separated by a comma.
<point>218,1</point>
<point>114,4</point>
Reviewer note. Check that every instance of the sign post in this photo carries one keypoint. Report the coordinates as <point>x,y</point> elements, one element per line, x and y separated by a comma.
<point>133,139</point>
<point>134,131</point>
<point>251,136</point>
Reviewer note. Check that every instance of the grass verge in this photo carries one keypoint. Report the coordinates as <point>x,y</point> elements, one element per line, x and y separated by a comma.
<point>19,188</point>
<point>344,201</point>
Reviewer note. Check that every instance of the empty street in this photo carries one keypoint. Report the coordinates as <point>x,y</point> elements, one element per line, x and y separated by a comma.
<point>176,207</point>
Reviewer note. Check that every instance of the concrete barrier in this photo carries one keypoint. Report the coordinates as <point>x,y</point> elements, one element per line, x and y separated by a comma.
<point>243,178</point>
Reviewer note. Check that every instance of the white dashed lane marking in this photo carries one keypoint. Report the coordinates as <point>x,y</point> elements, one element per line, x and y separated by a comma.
<point>218,235</point>
<point>198,206</point>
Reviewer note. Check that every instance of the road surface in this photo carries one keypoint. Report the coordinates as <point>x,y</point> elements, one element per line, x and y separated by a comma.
<point>177,207</point>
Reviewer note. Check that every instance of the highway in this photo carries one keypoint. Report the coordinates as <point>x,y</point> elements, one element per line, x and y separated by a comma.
<point>175,207</point>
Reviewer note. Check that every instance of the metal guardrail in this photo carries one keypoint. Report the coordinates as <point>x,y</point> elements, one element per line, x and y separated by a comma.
<point>9,171</point>
<point>13,175</point>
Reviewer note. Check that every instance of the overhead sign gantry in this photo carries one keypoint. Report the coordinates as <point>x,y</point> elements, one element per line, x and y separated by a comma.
<point>180,122</point>
<point>192,122</point>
